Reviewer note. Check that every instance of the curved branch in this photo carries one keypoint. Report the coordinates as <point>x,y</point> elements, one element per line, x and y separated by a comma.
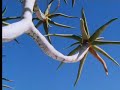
<point>52,52</point>
<point>26,25</point>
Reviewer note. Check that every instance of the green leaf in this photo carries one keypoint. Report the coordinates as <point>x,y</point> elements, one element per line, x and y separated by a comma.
<point>84,33</point>
<point>95,54</point>
<point>6,79</point>
<point>60,25</point>
<point>16,41</point>
<point>60,65</point>
<point>71,53</point>
<point>5,23</point>
<point>38,24</point>
<point>10,18</point>
<point>85,22</point>
<point>65,1</point>
<point>99,38</point>
<point>104,42</point>
<point>80,69</point>
<point>105,54</point>
<point>21,1</point>
<point>45,25</point>
<point>74,51</point>
<point>73,45</point>
<point>38,12</point>
<point>6,86</point>
<point>4,11</point>
<point>58,5</point>
<point>48,8</point>
<point>71,36</point>
<point>60,14</point>
<point>73,3</point>
<point>35,19</point>
<point>100,30</point>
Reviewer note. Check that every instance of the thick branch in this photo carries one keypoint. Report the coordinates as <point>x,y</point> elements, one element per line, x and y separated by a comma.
<point>26,25</point>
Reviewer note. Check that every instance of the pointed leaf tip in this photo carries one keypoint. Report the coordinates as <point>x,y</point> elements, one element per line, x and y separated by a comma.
<point>100,30</point>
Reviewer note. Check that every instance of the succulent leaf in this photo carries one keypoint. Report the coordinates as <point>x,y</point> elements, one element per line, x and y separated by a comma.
<point>73,45</point>
<point>84,33</point>
<point>38,24</point>
<point>94,53</point>
<point>5,23</point>
<point>100,30</point>
<point>73,3</point>
<point>4,11</point>
<point>10,18</point>
<point>85,22</point>
<point>60,25</point>
<point>80,69</point>
<point>60,65</point>
<point>46,26</point>
<point>6,86</point>
<point>71,36</point>
<point>6,79</point>
<point>99,38</point>
<point>74,51</point>
<point>65,1</point>
<point>60,14</point>
<point>104,42</point>
<point>71,53</point>
<point>105,54</point>
<point>48,7</point>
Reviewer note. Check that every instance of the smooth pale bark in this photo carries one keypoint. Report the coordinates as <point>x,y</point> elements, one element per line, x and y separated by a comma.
<point>52,52</point>
<point>26,25</point>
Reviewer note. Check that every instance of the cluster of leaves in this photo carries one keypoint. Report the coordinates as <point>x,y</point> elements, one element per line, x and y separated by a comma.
<point>46,18</point>
<point>94,40</point>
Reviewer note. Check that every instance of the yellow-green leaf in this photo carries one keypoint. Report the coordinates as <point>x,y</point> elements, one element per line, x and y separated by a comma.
<point>84,33</point>
<point>85,22</point>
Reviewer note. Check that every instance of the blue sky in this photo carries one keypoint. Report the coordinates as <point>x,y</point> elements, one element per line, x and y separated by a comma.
<point>31,69</point>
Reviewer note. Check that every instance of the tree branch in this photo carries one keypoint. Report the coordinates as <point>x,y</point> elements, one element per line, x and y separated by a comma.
<point>26,25</point>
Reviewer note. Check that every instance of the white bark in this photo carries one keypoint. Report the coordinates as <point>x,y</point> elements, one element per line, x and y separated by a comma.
<point>26,25</point>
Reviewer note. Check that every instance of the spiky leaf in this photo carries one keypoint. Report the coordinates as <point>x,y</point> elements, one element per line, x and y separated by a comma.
<point>85,22</point>
<point>84,33</point>
<point>6,86</point>
<point>73,45</point>
<point>46,26</point>
<point>6,79</point>
<point>48,7</point>
<point>65,1</point>
<point>38,24</point>
<point>104,42</point>
<point>105,54</point>
<point>5,23</point>
<point>80,69</point>
<point>60,25</point>
<point>71,36</point>
<point>100,30</point>
<point>73,3</point>
<point>10,18</point>
<point>94,53</point>
<point>4,11</point>
<point>60,14</point>
<point>71,53</point>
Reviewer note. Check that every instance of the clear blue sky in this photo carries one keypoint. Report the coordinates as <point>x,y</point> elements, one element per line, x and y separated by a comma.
<point>31,69</point>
